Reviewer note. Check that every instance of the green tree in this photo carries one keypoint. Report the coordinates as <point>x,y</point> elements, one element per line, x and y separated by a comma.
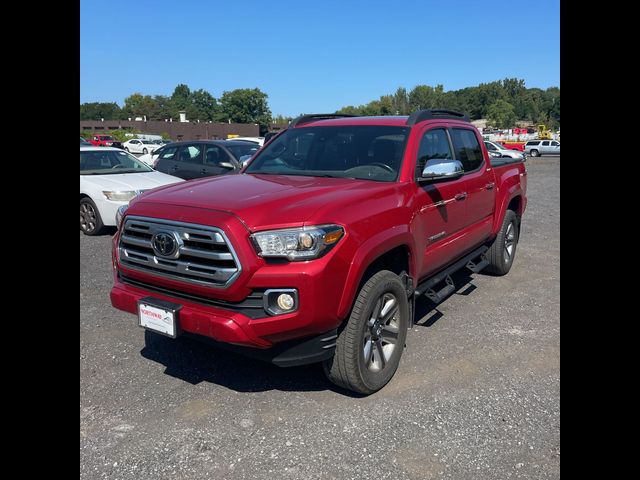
<point>100,110</point>
<point>245,105</point>
<point>202,106</point>
<point>501,114</point>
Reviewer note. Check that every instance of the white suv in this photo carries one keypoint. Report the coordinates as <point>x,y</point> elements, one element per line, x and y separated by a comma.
<point>535,148</point>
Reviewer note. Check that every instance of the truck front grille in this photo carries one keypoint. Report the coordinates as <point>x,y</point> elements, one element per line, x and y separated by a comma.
<point>202,254</point>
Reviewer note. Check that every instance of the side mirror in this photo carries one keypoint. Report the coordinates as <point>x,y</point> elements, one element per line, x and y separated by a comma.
<point>446,170</point>
<point>228,165</point>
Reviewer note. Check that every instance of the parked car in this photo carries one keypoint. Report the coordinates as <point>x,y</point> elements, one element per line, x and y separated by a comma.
<point>84,142</point>
<point>535,148</point>
<point>109,178</point>
<point>105,141</point>
<point>318,251</point>
<point>137,145</point>
<point>493,147</point>
<point>203,158</point>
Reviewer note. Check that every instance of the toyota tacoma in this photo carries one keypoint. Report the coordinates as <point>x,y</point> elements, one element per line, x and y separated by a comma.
<point>318,249</point>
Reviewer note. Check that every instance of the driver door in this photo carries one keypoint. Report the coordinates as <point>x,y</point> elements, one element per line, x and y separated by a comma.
<point>441,209</point>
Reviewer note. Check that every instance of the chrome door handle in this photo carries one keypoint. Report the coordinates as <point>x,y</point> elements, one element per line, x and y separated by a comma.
<point>489,186</point>
<point>461,196</point>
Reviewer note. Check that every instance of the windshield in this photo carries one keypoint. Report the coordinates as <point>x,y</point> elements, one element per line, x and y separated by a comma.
<point>107,162</point>
<point>105,137</point>
<point>351,151</point>
<point>147,142</point>
<point>245,149</point>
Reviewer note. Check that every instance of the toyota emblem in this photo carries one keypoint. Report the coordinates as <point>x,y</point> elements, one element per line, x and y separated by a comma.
<point>164,244</point>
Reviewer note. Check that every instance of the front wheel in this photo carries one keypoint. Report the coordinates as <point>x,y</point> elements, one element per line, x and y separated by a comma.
<point>126,148</point>
<point>370,345</point>
<point>535,153</point>
<point>144,151</point>
<point>90,221</point>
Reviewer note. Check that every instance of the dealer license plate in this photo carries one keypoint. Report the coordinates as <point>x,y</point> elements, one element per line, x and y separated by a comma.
<point>158,316</point>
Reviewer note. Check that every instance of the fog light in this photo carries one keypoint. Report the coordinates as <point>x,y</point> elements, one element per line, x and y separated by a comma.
<point>280,300</point>
<point>285,301</point>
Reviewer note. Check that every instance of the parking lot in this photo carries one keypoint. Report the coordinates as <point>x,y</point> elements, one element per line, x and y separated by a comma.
<point>476,395</point>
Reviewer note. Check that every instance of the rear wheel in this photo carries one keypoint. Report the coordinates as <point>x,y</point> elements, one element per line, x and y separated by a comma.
<point>535,153</point>
<point>126,148</point>
<point>90,221</point>
<point>370,345</point>
<point>144,151</point>
<point>503,249</point>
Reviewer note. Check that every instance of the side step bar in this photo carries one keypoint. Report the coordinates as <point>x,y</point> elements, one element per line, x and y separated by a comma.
<point>426,287</point>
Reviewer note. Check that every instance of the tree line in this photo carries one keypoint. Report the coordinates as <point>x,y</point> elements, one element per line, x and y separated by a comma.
<point>242,105</point>
<point>502,102</point>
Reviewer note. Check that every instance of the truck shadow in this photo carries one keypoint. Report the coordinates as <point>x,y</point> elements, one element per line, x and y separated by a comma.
<point>194,362</point>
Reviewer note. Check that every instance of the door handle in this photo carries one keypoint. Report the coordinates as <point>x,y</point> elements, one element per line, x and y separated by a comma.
<point>489,186</point>
<point>461,196</point>
<point>174,168</point>
<point>203,172</point>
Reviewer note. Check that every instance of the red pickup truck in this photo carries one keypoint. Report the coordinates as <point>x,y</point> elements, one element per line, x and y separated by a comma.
<point>105,141</point>
<point>318,249</point>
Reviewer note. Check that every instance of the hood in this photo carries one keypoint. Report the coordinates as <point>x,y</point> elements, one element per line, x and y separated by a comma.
<point>268,201</point>
<point>130,181</point>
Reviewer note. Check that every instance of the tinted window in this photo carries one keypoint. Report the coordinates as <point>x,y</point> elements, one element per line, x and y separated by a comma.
<point>214,155</point>
<point>545,143</point>
<point>434,148</point>
<point>168,153</point>
<point>191,154</point>
<point>467,148</point>
<point>350,151</point>
<point>555,144</point>
<point>533,143</point>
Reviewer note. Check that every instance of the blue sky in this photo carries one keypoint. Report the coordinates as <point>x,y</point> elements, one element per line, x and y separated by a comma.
<point>313,56</point>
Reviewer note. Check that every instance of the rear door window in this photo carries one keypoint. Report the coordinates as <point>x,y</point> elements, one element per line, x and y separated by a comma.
<point>191,154</point>
<point>467,148</point>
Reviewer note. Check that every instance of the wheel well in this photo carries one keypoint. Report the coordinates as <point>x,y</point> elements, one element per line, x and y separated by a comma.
<point>515,205</point>
<point>395,260</point>
<point>82,195</point>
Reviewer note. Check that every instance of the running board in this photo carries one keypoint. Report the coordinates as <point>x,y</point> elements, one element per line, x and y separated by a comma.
<point>427,285</point>
<point>437,297</point>
<point>477,267</point>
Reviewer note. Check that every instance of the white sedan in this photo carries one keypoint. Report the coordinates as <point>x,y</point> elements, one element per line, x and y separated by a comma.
<point>502,150</point>
<point>109,178</point>
<point>135,145</point>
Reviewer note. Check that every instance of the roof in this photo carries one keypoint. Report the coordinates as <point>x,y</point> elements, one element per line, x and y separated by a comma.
<point>99,149</point>
<point>389,120</point>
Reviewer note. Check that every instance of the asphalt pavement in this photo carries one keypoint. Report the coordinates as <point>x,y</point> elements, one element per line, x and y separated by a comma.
<point>476,395</point>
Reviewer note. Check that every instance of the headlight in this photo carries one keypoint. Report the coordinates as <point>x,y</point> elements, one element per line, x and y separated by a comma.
<point>120,214</point>
<point>119,196</point>
<point>297,243</point>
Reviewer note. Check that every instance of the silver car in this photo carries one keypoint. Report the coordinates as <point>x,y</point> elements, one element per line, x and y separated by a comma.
<point>496,148</point>
<point>535,148</point>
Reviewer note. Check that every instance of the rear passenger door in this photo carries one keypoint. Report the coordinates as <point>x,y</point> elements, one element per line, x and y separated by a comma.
<point>189,163</point>
<point>545,147</point>
<point>479,187</point>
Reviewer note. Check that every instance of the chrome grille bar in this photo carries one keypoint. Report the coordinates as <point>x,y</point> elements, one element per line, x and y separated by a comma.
<point>205,256</point>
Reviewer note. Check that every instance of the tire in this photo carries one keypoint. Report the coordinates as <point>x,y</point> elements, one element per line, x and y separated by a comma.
<point>499,255</point>
<point>380,338</point>
<point>535,153</point>
<point>144,151</point>
<point>126,148</point>
<point>90,220</point>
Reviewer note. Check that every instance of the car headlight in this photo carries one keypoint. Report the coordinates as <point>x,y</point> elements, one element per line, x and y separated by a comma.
<point>119,196</point>
<point>295,244</point>
<point>120,215</point>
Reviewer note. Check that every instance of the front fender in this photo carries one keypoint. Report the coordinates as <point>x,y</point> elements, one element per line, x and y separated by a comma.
<point>366,254</point>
